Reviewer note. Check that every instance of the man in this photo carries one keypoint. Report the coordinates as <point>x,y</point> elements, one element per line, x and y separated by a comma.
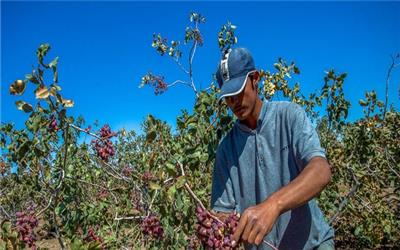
<point>269,166</point>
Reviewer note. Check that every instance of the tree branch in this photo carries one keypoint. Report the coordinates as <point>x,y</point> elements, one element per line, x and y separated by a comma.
<point>387,158</point>
<point>178,81</point>
<point>96,185</point>
<point>152,201</point>
<point>392,66</point>
<point>120,177</point>
<point>191,56</point>
<point>5,212</point>
<point>45,208</point>
<point>85,131</point>
<point>128,218</point>
<point>346,198</point>
<point>57,233</point>
<point>181,66</point>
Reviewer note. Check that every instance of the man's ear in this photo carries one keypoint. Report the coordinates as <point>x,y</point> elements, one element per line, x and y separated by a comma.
<point>256,79</point>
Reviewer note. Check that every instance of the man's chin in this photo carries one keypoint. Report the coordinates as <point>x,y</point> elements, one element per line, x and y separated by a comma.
<point>241,117</point>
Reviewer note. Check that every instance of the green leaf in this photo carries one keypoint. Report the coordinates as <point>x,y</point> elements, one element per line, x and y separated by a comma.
<point>94,245</point>
<point>358,230</point>
<point>204,158</point>
<point>53,63</point>
<point>151,136</point>
<point>33,123</point>
<point>362,103</point>
<point>32,78</point>
<point>67,103</point>
<point>42,93</point>
<point>201,192</point>
<point>59,98</point>
<point>42,51</point>
<point>6,226</point>
<point>154,186</point>
<point>194,155</point>
<point>55,75</point>
<point>26,107</point>
<point>181,180</point>
<point>18,87</point>
<point>171,168</point>
<point>44,48</point>
<point>171,192</point>
<point>54,88</point>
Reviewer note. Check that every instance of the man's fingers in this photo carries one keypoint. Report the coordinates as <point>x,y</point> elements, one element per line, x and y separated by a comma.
<point>261,234</point>
<point>259,239</point>
<point>253,234</point>
<point>247,230</point>
<point>239,230</point>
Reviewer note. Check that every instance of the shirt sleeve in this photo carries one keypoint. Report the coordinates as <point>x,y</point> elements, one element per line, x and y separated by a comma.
<point>222,196</point>
<point>305,140</point>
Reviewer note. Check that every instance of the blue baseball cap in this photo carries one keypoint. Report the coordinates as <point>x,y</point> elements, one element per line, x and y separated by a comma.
<point>233,70</point>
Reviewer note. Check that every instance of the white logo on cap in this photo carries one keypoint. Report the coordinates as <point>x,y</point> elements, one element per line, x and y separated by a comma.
<point>224,67</point>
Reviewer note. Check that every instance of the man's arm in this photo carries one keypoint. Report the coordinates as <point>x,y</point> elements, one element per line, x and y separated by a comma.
<point>257,221</point>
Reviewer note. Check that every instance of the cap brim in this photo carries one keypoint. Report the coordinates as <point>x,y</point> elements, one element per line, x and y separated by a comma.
<point>233,86</point>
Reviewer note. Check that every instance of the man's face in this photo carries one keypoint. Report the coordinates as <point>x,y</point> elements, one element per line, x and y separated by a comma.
<point>242,104</point>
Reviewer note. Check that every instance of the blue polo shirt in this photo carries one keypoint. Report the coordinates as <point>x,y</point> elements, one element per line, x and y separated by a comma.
<point>252,164</point>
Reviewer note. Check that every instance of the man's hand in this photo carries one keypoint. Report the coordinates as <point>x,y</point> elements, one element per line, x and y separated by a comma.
<point>256,222</point>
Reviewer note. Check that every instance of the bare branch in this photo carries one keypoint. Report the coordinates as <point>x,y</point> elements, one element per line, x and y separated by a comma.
<point>181,66</point>
<point>346,198</point>
<point>168,180</point>
<point>85,131</point>
<point>54,195</point>
<point>178,81</point>
<point>5,212</point>
<point>194,196</point>
<point>57,231</point>
<point>116,173</point>
<point>128,218</point>
<point>213,121</point>
<point>391,168</point>
<point>343,203</point>
<point>193,52</point>
<point>208,88</point>
<point>392,66</point>
<point>181,167</point>
<point>364,203</point>
<point>44,209</point>
<point>96,185</point>
<point>61,180</point>
<point>152,201</point>
<point>191,56</point>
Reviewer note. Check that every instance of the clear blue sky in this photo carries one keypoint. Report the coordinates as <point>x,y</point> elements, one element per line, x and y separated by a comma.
<point>105,49</point>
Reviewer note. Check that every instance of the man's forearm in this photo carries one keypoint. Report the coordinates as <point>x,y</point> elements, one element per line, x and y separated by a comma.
<point>311,181</point>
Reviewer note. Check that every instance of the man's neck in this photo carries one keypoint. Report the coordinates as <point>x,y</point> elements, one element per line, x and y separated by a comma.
<point>251,121</point>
